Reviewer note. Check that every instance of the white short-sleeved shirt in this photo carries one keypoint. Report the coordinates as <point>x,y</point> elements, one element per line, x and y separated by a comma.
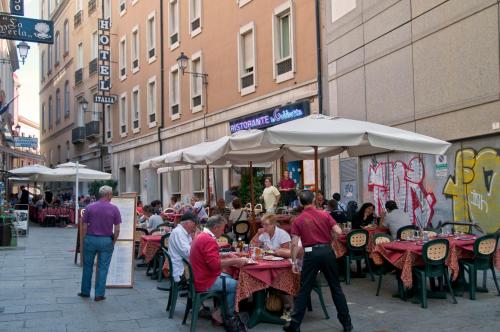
<point>199,206</point>
<point>270,196</point>
<point>280,237</point>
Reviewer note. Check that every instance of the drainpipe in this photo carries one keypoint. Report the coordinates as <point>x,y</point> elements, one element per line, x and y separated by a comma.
<point>162,100</point>
<point>317,8</point>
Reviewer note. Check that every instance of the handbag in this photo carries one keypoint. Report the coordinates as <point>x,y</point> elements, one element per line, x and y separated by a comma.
<point>273,302</point>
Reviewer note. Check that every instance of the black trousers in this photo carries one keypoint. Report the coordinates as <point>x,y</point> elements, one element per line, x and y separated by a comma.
<point>320,259</point>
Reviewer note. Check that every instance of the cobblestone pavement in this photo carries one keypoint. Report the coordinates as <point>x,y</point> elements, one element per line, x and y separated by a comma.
<point>39,283</point>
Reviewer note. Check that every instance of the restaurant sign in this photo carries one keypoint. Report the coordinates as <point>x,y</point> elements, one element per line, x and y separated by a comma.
<point>27,29</point>
<point>271,117</point>
<point>25,142</point>
<point>17,7</point>
<point>104,63</point>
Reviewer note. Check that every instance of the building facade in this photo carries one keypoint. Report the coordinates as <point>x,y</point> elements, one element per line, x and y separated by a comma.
<point>426,66</point>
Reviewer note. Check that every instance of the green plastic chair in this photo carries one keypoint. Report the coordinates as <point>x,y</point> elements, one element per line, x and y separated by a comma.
<point>318,284</point>
<point>357,241</point>
<point>161,258</point>
<point>173,289</point>
<point>434,254</point>
<point>405,232</point>
<point>385,267</point>
<point>484,249</point>
<point>195,299</point>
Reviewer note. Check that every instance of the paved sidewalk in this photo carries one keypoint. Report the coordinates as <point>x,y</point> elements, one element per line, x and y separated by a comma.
<point>39,283</point>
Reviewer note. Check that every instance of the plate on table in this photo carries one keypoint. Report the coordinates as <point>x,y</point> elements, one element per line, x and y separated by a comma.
<point>250,262</point>
<point>272,258</point>
<point>465,238</point>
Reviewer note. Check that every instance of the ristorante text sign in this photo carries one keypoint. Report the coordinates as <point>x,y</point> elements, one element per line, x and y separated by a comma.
<point>104,63</point>
<point>271,117</point>
<point>27,29</point>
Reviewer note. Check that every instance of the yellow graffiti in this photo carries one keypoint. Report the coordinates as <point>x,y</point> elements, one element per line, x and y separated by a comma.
<point>475,188</point>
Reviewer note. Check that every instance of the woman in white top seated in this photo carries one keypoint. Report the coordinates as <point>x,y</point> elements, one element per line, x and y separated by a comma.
<point>270,236</point>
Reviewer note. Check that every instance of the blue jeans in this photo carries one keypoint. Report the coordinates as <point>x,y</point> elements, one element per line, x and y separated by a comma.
<point>92,245</point>
<point>230,290</point>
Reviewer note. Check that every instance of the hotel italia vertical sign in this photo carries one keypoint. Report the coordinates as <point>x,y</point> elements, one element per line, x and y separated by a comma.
<point>104,95</point>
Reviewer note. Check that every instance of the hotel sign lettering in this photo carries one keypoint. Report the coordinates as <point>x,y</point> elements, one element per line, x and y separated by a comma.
<point>271,117</point>
<point>104,63</point>
<point>26,29</point>
<point>17,7</point>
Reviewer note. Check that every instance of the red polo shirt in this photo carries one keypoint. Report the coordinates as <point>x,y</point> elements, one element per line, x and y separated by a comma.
<point>287,184</point>
<point>313,226</point>
<point>205,261</point>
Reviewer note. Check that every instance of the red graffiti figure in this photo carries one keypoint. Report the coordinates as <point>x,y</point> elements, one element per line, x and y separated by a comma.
<point>403,183</point>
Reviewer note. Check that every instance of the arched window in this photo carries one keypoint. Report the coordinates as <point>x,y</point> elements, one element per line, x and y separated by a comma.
<point>42,66</point>
<point>58,106</point>
<point>66,37</point>
<point>57,45</point>
<point>66,99</point>
<point>42,118</point>
<point>50,112</point>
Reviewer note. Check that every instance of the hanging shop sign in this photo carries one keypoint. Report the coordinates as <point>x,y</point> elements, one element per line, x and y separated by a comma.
<point>17,7</point>
<point>271,117</point>
<point>104,84</point>
<point>25,142</point>
<point>27,29</point>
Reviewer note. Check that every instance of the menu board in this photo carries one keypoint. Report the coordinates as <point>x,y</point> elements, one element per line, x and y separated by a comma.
<point>126,205</point>
<point>121,269</point>
<point>308,169</point>
<point>21,223</point>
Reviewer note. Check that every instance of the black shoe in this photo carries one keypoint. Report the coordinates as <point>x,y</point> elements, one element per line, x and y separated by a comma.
<point>100,298</point>
<point>83,295</point>
<point>348,328</point>
<point>288,327</point>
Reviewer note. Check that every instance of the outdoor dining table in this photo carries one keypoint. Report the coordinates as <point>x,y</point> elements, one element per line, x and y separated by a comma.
<point>149,246</point>
<point>284,222</point>
<point>339,244</point>
<point>174,217</point>
<point>256,278</point>
<point>58,212</point>
<point>405,255</point>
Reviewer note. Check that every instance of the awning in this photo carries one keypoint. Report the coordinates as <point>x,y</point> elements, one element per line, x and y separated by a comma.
<point>21,154</point>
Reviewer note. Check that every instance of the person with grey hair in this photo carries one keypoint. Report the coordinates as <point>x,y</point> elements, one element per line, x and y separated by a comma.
<point>179,243</point>
<point>101,228</point>
<point>207,266</point>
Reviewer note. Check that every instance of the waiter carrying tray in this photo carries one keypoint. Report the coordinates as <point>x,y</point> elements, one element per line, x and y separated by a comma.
<point>315,228</point>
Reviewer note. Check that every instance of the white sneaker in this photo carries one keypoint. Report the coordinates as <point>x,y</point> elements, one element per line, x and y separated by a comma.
<point>287,315</point>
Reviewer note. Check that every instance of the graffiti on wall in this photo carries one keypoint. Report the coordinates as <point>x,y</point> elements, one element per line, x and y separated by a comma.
<point>403,183</point>
<point>475,187</point>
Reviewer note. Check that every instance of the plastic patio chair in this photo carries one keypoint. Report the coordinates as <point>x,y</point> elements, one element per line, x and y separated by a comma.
<point>357,241</point>
<point>161,258</point>
<point>484,251</point>
<point>385,267</point>
<point>434,254</point>
<point>173,289</point>
<point>195,299</point>
<point>406,232</point>
<point>318,284</point>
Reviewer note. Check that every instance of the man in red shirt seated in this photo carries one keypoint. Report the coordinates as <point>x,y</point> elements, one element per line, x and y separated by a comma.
<point>207,264</point>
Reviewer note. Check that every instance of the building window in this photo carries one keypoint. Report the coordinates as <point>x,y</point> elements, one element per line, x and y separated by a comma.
<point>123,58</point>
<point>246,59</point>
<point>284,63</point>
<point>42,66</point>
<point>50,112</point>
<point>108,124</point>
<point>67,151</point>
<point>151,37</point>
<point>152,102</point>
<point>42,10</point>
<point>66,99</point>
<point>107,9</point>
<point>194,17</point>
<point>42,118</point>
<point>173,24</point>
<point>135,49</point>
<point>136,110</point>
<point>174,93</point>
<point>123,115</point>
<point>198,180</point>
<point>79,5</point>
<point>95,113</point>
<point>80,116</point>
<point>174,181</point>
<point>57,45</point>
<point>94,46</point>
<point>123,7</point>
<point>79,56</point>
<point>58,106</point>
<point>49,59</point>
<point>49,7</point>
<point>66,37</point>
<point>196,83</point>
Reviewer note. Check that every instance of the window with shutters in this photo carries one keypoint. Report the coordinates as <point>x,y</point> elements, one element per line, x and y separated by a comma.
<point>283,50</point>
<point>136,110</point>
<point>50,112</point>
<point>195,17</point>
<point>196,83</point>
<point>173,24</point>
<point>152,102</point>
<point>246,59</point>
<point>58,106</point>
<point>122,58</point>
<point>123,7</point>
<point>151,38</point>
<point>57,46</point>
<point>174,93</point>
<point>123,114</point>
<point>108,118</point>
<point>66,37</point>
<point>135,49</point>
<point>66,99</point>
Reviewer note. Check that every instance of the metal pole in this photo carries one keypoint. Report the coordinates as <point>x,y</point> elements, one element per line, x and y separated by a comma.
<point>315,169</point>
<point>252,199</point>
<point>208,186</point>
<point>76,194</point>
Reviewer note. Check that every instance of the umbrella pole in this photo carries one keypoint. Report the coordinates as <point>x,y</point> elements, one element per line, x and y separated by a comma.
<point>208,186</point>
<point>76,195</point>
<point>253,228</point>
<point>315,169</point>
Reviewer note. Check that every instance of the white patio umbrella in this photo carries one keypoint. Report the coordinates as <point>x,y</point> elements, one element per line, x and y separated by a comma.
<point>34,172</point>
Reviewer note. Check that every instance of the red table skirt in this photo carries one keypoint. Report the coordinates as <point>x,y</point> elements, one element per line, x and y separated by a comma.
<point>148,246</point>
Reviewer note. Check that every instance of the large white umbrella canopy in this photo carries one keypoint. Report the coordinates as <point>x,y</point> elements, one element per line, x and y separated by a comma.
<point>155,162</point>
<point>34,172</point>
<point>333,135</point>
<point>69,174</point>
<point>70,164</point>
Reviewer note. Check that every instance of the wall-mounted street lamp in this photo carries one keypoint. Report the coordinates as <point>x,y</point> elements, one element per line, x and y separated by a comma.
<point>23,49</point>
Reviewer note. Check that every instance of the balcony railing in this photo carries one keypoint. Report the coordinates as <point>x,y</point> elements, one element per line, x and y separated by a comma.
<point>78,76</point>
<point>92,6</point>
<point>93,66</point>
<point>78,135</point>
<point>92,129</point>
<point>78,18</point>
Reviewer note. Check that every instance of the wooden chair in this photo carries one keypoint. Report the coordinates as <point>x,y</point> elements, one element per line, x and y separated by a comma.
<point>357,241</point>
<point>195,299</point>
<point>434,254</point>
<point>406,232</point>
<point>484,251</point>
